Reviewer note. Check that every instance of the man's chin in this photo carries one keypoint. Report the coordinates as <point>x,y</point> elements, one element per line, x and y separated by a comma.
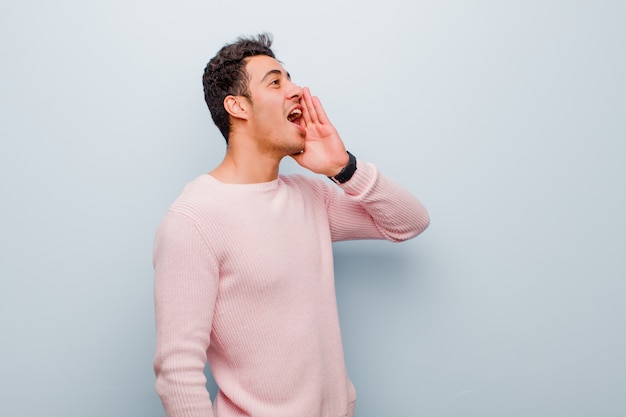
<point>296,148</point>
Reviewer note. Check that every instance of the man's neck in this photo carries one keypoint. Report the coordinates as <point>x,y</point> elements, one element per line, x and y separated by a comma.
<point>245,167</point>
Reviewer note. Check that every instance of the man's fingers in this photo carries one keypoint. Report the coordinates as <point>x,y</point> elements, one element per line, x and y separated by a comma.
<point>319,111</point>
<point>310,107</point>
<point>306,112</point>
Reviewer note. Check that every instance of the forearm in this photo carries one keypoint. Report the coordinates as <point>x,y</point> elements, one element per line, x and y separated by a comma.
<point>378,202</point>
<point>181,385</point>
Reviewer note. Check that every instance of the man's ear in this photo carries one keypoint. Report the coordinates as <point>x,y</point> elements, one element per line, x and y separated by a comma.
<point>236,106</point>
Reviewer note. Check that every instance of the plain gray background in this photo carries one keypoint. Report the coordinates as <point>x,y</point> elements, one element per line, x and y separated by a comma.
<point>507,119</point>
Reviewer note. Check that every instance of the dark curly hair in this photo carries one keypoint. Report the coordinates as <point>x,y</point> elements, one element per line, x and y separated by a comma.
<point>225,75</point>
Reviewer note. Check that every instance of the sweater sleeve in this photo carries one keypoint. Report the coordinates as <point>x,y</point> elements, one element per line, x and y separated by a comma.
<point>374,207</point>
<point>185,289</point>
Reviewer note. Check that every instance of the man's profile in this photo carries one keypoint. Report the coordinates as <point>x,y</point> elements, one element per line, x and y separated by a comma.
<point>243,257</point>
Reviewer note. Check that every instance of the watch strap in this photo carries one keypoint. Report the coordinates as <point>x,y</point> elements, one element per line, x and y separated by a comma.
<point>347,172</point>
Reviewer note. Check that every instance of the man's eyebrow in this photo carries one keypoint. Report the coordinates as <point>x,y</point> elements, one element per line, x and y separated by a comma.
<point>275,72</point>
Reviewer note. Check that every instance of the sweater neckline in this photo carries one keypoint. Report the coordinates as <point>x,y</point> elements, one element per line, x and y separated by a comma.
<point>260,186</point>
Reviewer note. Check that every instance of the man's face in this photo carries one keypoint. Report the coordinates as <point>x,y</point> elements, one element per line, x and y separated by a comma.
<point>275,113</point>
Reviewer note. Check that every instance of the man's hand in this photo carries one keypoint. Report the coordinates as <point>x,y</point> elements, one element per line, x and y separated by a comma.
<point>324,151</point>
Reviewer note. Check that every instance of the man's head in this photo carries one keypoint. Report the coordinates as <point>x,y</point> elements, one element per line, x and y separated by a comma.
<point>225,75</point>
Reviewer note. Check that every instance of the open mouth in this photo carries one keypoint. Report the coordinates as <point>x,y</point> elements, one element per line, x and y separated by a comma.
<point>294,116</point>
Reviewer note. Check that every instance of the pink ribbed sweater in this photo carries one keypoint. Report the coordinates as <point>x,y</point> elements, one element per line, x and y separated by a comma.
<point>244,277</point>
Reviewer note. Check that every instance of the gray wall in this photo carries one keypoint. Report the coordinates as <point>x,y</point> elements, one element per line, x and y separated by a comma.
<point>506,118</point>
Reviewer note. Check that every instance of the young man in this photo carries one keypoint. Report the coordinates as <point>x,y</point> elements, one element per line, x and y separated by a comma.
<point>243,258</point>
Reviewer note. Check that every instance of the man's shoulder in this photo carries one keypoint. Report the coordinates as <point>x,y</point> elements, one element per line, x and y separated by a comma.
<point>198,195</point>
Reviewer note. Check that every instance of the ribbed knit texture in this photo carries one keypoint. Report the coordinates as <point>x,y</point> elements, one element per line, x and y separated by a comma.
<point>244,277</point>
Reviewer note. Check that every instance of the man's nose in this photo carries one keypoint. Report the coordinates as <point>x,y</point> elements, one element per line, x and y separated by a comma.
<point>294,91</point>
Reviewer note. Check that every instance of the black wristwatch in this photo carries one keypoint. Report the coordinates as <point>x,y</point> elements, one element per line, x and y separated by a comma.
<point>347,172</point>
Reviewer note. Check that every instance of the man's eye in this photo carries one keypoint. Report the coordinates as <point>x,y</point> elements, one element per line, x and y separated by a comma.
<point>275,82</point>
